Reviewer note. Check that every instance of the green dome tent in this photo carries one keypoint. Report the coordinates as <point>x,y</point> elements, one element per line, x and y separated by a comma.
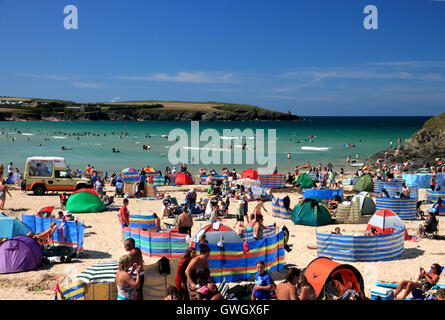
<point>84,202</point>
<point>309,212</point>
<point>364,184</point>
<point>305,181</point>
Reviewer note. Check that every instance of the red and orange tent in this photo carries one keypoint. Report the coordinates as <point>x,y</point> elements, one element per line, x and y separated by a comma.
<point>250,173</point>
<point>328,277</point>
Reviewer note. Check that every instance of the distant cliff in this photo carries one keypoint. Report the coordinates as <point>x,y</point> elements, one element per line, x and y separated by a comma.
<point>423,147</point>
<point>140,111</point>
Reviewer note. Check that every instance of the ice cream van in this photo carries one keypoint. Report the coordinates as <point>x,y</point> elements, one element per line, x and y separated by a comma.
<point>51,174</point>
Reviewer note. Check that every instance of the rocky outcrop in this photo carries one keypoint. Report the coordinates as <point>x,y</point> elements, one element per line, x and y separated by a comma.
<point>423,147</point>
<point>161,115</point>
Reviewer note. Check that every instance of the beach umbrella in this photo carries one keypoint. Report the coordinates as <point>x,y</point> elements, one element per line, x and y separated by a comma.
<point>127,170</point>
<point>99,273</point>
<point>150,170</point>
<point>247,181</point>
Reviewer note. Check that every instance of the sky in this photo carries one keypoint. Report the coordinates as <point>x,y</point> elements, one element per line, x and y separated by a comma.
<point>310,57</point>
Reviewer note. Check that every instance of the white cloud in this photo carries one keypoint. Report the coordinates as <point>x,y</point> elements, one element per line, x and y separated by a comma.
<point>88,85</point>
<point>184,77</point>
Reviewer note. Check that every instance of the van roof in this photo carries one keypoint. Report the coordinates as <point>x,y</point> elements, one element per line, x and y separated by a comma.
<point>58,160</point>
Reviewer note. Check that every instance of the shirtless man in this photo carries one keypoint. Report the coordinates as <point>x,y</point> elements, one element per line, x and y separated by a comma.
<point>135,255</point>
<point>185,222</point>
<point>259,206</point>
<point>167,209</point>
<point>200,262</point>
<point>287,290</point>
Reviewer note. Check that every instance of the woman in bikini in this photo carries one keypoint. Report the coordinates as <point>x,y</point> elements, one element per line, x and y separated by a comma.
<point>126,285</point>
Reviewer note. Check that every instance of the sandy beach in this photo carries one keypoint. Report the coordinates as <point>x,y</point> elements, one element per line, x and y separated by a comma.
<point>102,242</point>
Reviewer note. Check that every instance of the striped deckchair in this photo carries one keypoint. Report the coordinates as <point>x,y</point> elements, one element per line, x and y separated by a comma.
<point>405,208</point>
<point>272,181</point>
<point>73,291</point>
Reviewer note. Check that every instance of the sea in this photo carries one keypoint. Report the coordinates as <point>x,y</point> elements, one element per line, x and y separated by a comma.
<point>92,142</point>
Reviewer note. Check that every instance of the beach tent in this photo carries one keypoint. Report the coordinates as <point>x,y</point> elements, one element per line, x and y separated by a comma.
<point>150,170</point>
<point>99,273</point>
<point>10,227</point>
<point>305,181</point>
<point>348,212</point>
<point>367,205</point>
<point>19,254</point>
<point>310,212</point>
<point>386,221</point>
<point>85,201</point>
<point>364,184</point>
<point>322,272</point>
<point>250,173</point>
<point>182,178</point>
<point>215,231</point>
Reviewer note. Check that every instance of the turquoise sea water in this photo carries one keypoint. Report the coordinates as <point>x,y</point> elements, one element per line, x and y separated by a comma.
<point>95,148</point>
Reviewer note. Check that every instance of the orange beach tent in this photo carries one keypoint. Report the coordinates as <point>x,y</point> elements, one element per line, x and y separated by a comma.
<point>250,173</point>
<point>330,278</point>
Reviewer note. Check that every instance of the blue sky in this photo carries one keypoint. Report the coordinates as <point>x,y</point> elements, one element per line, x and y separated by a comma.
<point>307,56</point>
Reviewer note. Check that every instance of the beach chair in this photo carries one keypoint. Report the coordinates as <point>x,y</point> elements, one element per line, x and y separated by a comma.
<point>432,230</point>
<point>420,294</point>
<point>223,287</point>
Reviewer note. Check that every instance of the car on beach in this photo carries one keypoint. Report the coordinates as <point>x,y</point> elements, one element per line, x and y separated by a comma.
<point>44,174</point>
